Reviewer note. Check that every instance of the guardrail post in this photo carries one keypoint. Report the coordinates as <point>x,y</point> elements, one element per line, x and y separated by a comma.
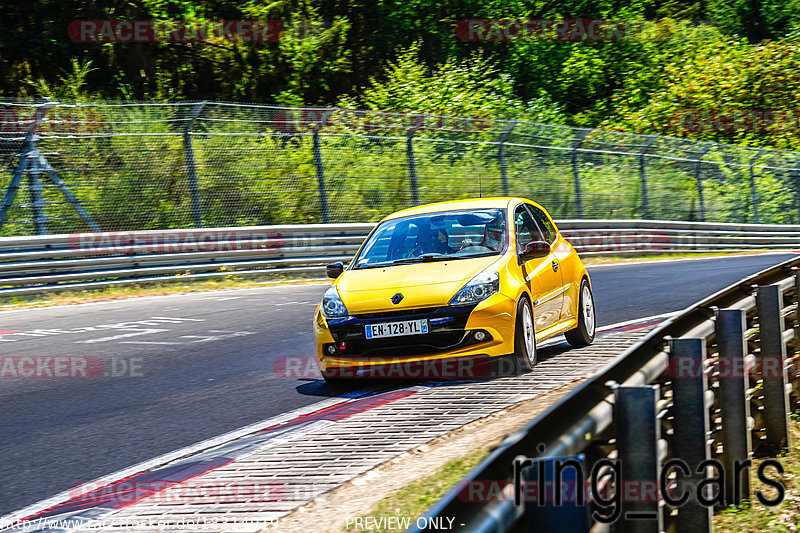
<point>690,425</point>
<point>753,189</point>
<point>637,430</point>
<point>412,166</point>
<point>643,177</point>
<point>576,180</point>
<point>698,177</point>
<point>501,155</point>
<point>735,408</point>
<point>191,168</point>
<point>769,302</point>
<point>554,495</point>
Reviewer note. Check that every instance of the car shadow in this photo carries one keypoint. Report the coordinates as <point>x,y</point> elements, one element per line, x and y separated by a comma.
<point>355,388</point>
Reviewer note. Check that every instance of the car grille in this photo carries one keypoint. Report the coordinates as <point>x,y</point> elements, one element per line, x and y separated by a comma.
<point>446,332</point>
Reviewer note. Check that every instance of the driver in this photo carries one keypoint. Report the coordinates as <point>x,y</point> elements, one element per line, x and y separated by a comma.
<point>437,242</point>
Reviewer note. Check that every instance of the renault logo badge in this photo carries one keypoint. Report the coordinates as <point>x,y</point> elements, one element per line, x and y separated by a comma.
<point>397,298</point>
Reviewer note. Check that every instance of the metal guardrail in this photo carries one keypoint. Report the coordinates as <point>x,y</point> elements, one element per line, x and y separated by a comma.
<point>49,263</point>
<point>712,386</point>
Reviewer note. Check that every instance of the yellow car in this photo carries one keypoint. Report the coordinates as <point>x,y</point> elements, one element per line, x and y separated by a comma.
<point>437,286</point>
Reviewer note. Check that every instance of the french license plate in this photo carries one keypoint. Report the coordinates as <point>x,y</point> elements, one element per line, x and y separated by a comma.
<point>396,329</point>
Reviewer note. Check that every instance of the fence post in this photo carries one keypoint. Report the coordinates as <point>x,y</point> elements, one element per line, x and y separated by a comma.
<point>191,168</point>
<point>412,166</point>
<point>319,166</point>
<point>637,429</point>
<point>735,408</point>
<point>37,202</point>
<point>643,177</point>
<point>501,155</point>
<point>699,179</point>
<point>753,189</point>
<point>691,426</point>
<point>795,175</point>
<point>576,181</point>
<point>769,302</point>
<point>28,159</point>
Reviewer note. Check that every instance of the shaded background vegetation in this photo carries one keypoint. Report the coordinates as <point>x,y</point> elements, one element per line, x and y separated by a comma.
<point>404,55</point>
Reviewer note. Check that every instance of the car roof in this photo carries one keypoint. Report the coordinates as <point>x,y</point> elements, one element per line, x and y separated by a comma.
<point>473,203</point>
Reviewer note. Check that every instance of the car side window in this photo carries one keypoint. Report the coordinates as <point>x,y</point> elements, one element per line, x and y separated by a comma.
<point>525,227</point>
<point>544,223</point>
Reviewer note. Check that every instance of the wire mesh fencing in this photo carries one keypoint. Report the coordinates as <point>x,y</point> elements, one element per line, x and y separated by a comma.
<point>114,166</point>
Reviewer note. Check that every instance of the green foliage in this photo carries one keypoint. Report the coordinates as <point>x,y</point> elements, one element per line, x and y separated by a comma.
<point>701,85</point>
<point>331,51</point>
<point>471,87</point>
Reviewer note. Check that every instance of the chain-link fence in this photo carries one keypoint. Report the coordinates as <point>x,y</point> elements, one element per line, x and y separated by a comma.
<point>130,166</point>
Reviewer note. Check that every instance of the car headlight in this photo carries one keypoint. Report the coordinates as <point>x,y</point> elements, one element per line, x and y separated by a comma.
<point>479,288</point>
<point>332,305</point>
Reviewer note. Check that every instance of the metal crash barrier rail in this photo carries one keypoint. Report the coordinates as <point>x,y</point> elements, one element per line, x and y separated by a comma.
<point>48,263</point>
<point>662,436</point>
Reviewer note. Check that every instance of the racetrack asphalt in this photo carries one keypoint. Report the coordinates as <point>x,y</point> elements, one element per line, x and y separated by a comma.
<point>204,366</point>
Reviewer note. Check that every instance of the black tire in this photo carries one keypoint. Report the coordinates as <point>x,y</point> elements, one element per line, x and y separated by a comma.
<point>524,337</point>
<point>583,334</point>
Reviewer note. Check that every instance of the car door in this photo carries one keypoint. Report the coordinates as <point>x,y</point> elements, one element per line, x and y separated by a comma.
<point>542,275</point>
<point>567,259</point>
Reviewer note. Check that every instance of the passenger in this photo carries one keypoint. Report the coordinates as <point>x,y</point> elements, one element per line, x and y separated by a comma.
<point>493,235</point>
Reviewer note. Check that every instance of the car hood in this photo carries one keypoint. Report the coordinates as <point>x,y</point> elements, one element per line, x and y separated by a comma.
<point>422,284</point>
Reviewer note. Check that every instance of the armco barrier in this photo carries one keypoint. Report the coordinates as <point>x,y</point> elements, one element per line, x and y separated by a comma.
<point>662,436</point>
<point>48,263</point>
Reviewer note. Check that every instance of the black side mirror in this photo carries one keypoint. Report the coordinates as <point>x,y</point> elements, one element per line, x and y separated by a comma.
<point>334,270</point>
<point>535,249</point>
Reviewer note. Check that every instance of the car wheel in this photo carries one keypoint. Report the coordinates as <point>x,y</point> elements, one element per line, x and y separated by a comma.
<point>524,337</point>
<point>583,335</point>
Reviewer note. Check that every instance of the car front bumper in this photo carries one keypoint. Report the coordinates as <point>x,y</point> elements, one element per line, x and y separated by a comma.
<point>451,336</point>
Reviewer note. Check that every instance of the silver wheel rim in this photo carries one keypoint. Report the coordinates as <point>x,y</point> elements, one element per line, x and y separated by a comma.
<point>588,310</point>
<point>527,330</point>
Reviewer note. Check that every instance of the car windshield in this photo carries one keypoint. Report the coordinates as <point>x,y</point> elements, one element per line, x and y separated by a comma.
<point>435,237</point>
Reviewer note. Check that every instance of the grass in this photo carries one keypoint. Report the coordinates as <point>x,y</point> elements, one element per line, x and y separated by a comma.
<point>753,517</point>
<point>420,495</point>
<point>233,282</point>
